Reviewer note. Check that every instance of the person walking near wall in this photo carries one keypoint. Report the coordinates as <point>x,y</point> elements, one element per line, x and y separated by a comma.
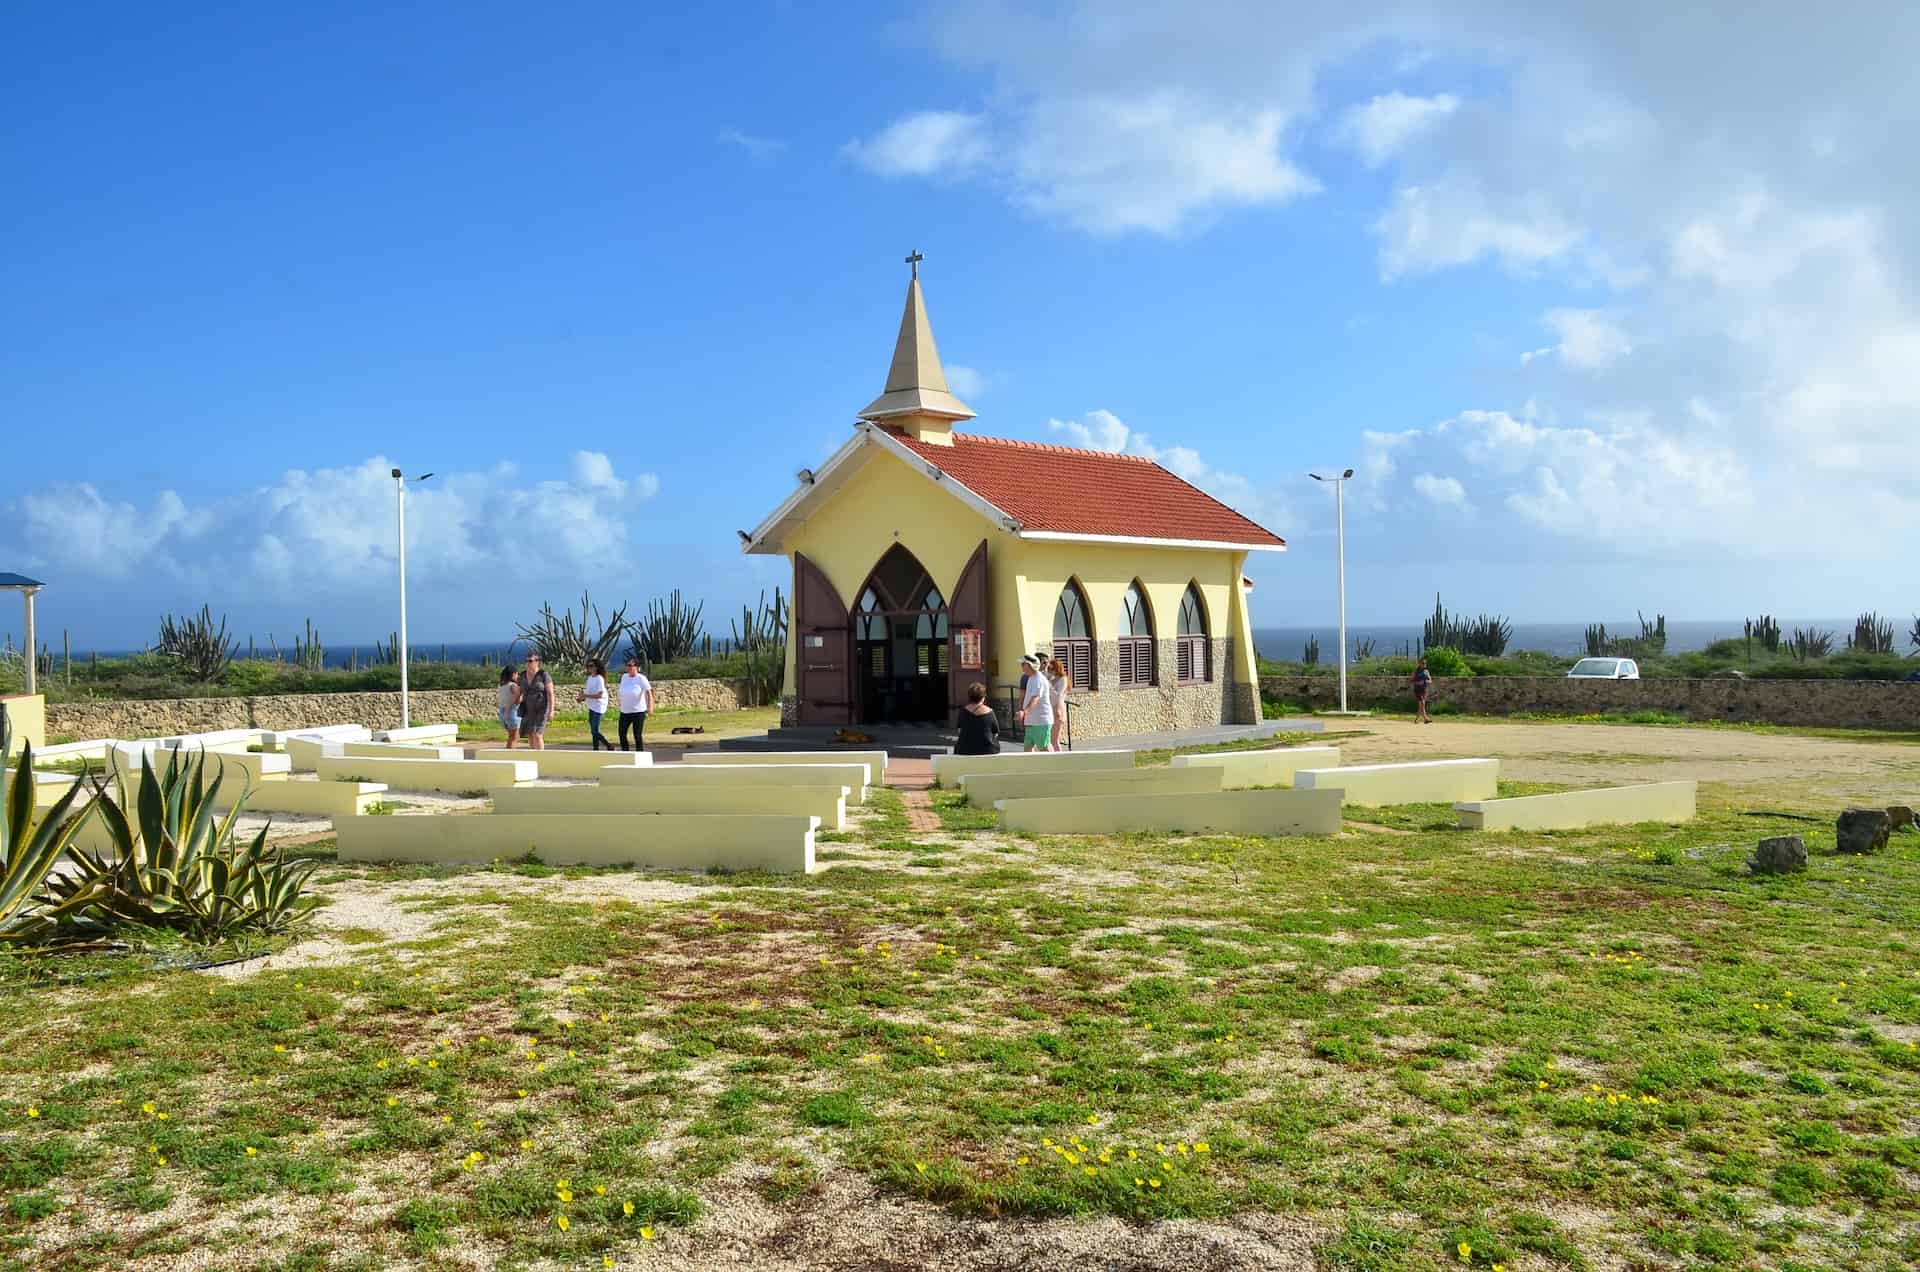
<point>510,703</point>
<point>536,703</point>
<point>594,694</point>
<point>1036,708</point>
<point>1422,686</point>
<point>1062,681</point>
<point>636,699</point>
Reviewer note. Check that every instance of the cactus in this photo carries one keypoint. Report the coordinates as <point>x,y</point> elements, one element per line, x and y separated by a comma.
<point>1871,634</point>
<point>1487,634</point>
<point>309,653</point>
<point>1310,652</point>
<point>667,633</point>
<point>761,635</point>
<point>1597,642</point>
<point>569,642</point>
<point>193,641</point>
<point>1766,630</point>
<point>1810,644</point>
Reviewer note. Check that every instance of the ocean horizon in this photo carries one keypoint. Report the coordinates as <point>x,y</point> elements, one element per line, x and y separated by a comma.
<point>1280,643</point>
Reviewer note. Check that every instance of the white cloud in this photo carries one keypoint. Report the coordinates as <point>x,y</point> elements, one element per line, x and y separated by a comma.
<point>1589,340</point>
<point>930,143</point>
<point>1441,490</point>
<point>1377,129</point>
<point>327,531</point>
<point>965,381</point>
<point>1455,222</point>
<point>756,146</point>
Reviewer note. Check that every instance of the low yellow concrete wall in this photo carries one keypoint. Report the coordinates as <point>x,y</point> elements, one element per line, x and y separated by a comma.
<point>656,841</point>
<point>27,716</point>
<point>585,764</point>
<point>234,766</point>
<point>454,777</point>
<point>90,749</point>
<point>1294,812</point>
<point>213,739</point>
<point>1262,768</point>
<point>306,752</point>
<point>984,790</point>
<point>402,751</point>
<point>949,769</point>
<point>828,803</point>
<point>1421,782</point>
<point>305,798</point>
<point>429,734</point>
<point>276,740</point>
<point>742,776</point>
<point>876,761</point>
<point>1571,810</point>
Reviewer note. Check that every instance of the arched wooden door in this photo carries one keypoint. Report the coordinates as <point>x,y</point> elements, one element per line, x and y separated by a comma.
<point>967,624</point>
<point>823,669</point>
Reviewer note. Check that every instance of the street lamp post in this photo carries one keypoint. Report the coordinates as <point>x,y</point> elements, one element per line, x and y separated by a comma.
<point>1340,551</point>
<point>400,492</point>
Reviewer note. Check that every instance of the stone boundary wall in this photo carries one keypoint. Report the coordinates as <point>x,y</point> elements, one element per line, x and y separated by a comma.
<point>163,716</point>
<point>1838,704</point>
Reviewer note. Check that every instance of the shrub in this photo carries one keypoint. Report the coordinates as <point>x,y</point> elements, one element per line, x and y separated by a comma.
<point>1444,661</point>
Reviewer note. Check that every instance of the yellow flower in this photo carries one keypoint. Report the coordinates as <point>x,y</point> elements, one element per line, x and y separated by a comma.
<point>1201,1147</point>
<point>1093,1119</point>
<point>565,1194</point>
<point>161,1116</point>
<point>1020,1161</point>
<point>433,1064</point>
<point>476,1124</point>
<point>162,1161</point>
<point>626,1208</point>
<point>1543,1084</point>
<point>599,1190</point>
<point>921,1167</point>
<point>32,1111</point>
<point>523,1093</point>
<point>1466,1251</point>
<point>646,1234</point>
<point>147,1108</point>
<point>606,1261</point>
<point>392,1100</point>
<point>1089,1170</point>
<point>1153,1183</point>
<point>562,1222</point>
<point>278,1048</point>
<point>412,1063</point>
<point>541,1067</point>
<point>252,1151</point>
<point>1499,1267</point>
<point>603,1017</point>
<point>526,1144</point>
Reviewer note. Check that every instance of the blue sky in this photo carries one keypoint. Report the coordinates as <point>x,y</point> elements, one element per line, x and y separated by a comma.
<point>1596,336</point>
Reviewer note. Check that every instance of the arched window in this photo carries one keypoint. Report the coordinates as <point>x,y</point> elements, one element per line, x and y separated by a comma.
<point>1072,637</point>
<point>1193,652</point>
<point>1136,638</point>
<point>870,633</point>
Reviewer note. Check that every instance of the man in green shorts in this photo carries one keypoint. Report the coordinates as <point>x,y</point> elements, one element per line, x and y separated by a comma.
<point>1036,709</point>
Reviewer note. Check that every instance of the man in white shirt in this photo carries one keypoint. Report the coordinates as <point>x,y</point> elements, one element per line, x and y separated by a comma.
<point>1036,708</point>
<point>636,699</point>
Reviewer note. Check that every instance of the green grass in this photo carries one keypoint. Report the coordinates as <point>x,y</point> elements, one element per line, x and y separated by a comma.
<point>1583,1049</point>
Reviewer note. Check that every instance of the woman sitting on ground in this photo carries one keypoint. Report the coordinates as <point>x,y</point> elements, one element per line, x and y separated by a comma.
<point>979,727</point>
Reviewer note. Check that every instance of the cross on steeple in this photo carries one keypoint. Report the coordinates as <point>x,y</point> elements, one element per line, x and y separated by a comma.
<point>914,260</point>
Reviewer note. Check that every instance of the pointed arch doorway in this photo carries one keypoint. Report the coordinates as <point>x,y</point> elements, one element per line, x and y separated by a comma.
<point>901,654</point>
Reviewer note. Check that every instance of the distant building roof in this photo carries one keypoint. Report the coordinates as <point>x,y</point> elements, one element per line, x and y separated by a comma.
<point>17,581</point>
<point>1064,490</point>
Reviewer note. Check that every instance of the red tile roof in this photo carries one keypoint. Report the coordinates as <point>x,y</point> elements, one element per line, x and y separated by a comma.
<point>1087,492</point>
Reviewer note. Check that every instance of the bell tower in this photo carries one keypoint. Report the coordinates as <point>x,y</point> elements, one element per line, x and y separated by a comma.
<point>916,400</point>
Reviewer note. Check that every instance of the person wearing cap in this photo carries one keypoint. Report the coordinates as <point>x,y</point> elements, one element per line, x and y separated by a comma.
<point>1036,705</point>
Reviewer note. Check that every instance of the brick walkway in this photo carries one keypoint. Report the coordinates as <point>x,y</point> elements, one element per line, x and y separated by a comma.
<point>913,779</point>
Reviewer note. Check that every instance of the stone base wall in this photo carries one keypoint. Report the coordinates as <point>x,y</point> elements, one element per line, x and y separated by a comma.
<point>789,711</point>
<point>1107,710</point>
<point>1836,704</point>
<point>164,716</point>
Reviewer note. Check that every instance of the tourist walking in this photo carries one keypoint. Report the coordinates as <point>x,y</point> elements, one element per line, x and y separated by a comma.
<point>979,726</point>
<point>536,703</point>
<point>1062,681</point>
<point>636,699</point>
<point>510,703</point>
<point>594,694</point>
<point>1422,685</point>
<point>1036,707</point>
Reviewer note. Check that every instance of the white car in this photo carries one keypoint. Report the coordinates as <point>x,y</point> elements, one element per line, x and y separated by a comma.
<point>1605,669</point>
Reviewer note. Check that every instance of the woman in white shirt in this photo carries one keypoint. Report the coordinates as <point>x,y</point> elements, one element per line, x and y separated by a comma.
<point>595,696</point>
<point>636,699</point>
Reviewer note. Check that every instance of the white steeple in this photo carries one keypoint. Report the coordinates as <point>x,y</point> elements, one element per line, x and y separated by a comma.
<point>916,397</point>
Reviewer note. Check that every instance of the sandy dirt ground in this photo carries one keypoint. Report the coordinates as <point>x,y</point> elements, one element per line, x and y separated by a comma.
<point>1740,766</point>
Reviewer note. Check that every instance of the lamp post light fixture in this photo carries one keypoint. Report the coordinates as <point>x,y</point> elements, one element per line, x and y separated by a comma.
<point>1340,551</point>
<point>400,481</point>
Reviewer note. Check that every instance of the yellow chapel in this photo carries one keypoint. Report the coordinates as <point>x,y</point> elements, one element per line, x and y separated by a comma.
<point>926,559</point>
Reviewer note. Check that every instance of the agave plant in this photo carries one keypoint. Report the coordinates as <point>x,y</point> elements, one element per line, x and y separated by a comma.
<point>178,865</point>
<point>30,844</point>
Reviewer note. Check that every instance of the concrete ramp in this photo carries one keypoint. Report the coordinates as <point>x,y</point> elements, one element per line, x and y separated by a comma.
<point>1572,810</point>
<point>1420,782</point>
